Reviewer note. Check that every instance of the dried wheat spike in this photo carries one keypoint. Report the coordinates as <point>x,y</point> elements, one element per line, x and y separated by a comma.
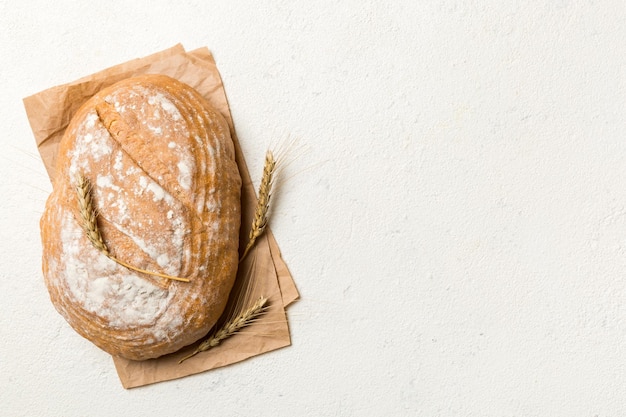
<point>88,214</point>
<point>259,223</point>
<point>89,222</point>
<point>231,327</point>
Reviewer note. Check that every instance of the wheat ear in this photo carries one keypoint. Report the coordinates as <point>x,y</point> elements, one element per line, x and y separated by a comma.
<point>89,222</point>
<point>259,223</point>
<point>231,327</point>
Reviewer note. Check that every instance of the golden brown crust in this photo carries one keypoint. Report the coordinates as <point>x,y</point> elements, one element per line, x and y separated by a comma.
<point>167,190</point>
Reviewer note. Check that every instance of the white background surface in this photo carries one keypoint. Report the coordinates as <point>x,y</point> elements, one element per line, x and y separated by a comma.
<point>456,226</point>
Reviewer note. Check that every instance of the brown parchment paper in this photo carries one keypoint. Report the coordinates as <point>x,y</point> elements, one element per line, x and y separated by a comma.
<point>50,111</point>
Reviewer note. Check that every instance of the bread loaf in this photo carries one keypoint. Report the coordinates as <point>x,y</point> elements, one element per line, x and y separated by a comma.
<point>166,188</point>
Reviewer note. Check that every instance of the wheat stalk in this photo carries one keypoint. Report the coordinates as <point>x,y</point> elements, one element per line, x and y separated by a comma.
<point>231,327</point>
<point>259,223</point>
<point>88,215</point>
<point>89,223</point>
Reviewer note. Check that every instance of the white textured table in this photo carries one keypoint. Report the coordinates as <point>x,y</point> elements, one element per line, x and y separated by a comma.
<point>456,226</point>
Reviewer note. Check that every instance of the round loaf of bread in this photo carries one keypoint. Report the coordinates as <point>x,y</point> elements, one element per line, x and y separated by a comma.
<point>166,189</point>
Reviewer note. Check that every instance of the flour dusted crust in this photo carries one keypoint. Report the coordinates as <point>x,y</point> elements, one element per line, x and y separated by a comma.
<point>164,180</point>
